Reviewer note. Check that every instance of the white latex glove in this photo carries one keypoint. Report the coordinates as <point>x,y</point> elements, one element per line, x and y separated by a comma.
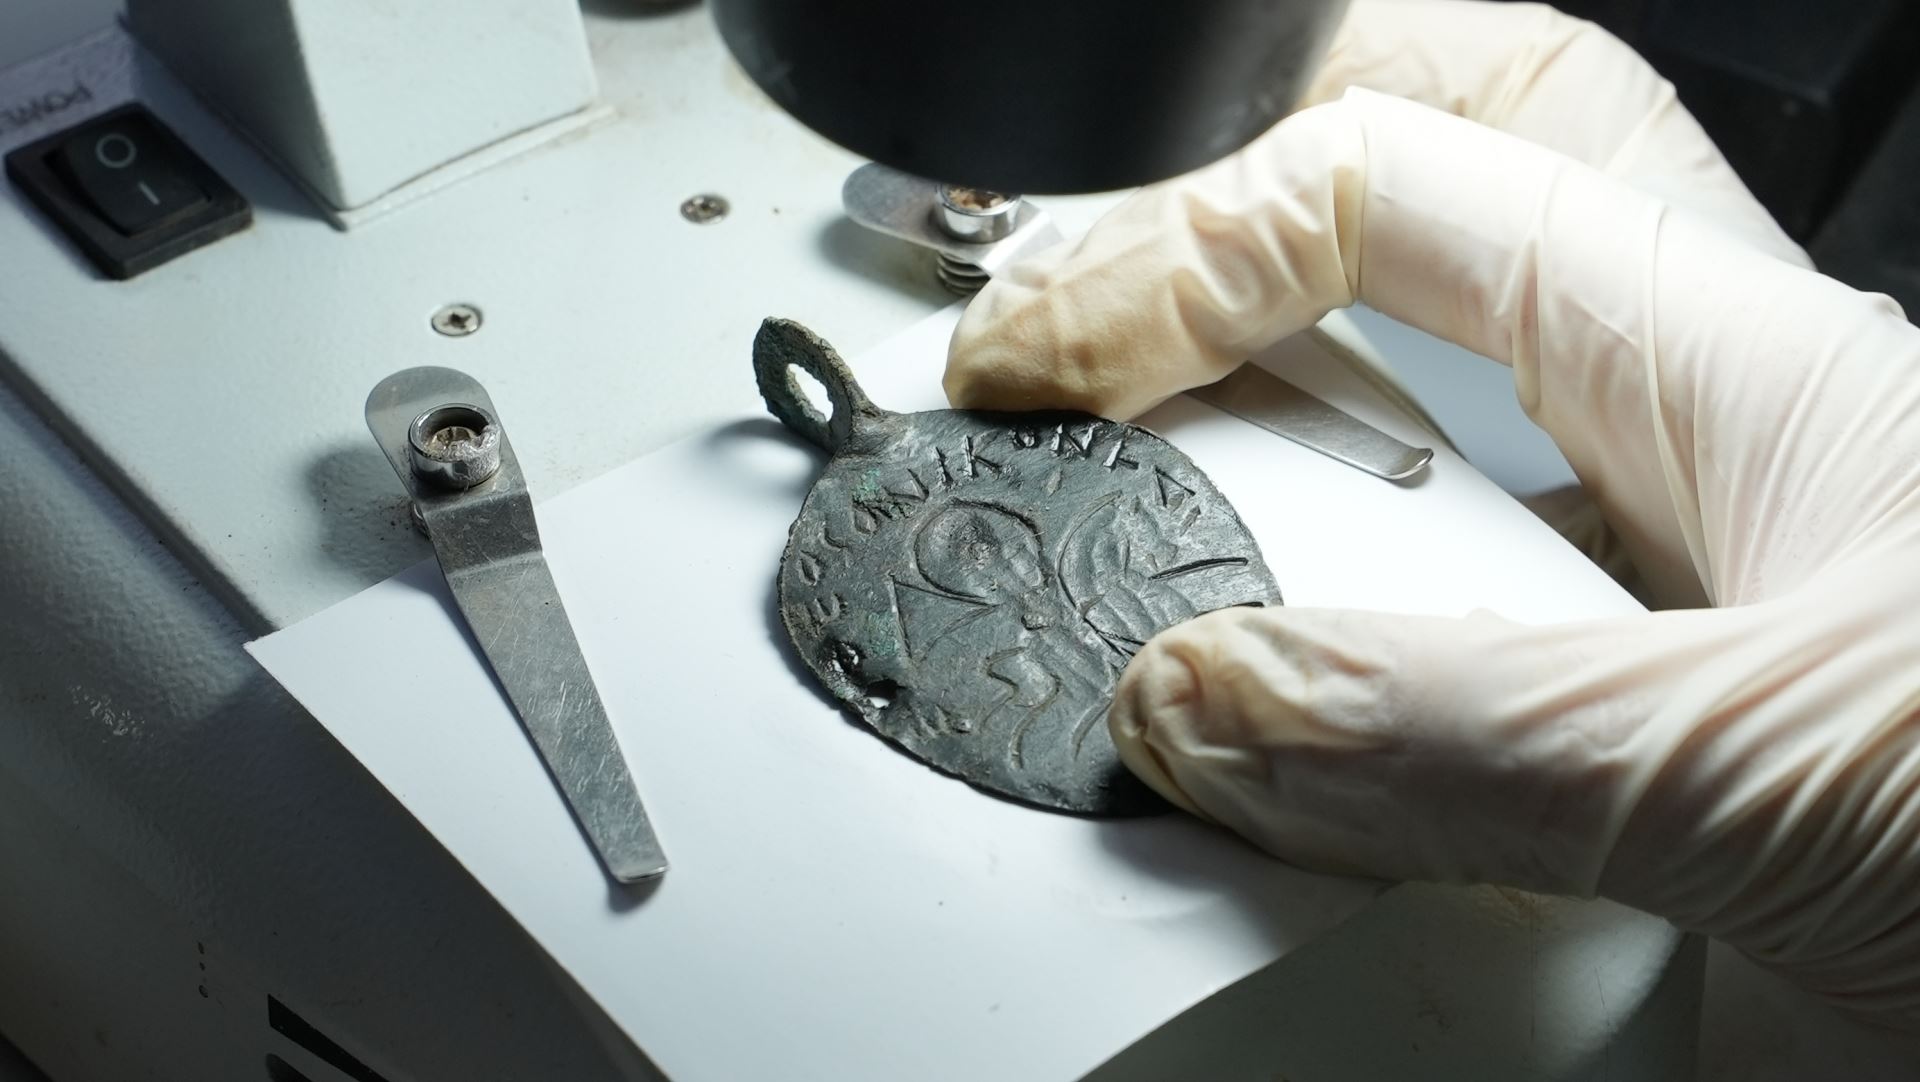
<point>1750,429</point>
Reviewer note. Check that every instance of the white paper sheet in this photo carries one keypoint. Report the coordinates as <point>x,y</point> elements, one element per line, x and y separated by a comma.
<point>835,910</point>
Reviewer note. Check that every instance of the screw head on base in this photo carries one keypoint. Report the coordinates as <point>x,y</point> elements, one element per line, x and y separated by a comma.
<point>976,215</point>
<point>705,208</point>
<point>456,320</point>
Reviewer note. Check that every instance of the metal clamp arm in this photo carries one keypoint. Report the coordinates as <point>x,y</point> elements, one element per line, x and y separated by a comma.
<point>438,429</point>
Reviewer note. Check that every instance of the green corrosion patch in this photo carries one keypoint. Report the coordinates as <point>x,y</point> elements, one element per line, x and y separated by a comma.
<point>869,489</point>
<point>879,637</point>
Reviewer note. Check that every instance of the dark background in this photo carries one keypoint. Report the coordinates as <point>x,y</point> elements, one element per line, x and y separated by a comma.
<point>1817,105</point>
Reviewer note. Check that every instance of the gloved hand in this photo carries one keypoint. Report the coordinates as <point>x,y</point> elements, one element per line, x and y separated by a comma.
<point>1750,429</point>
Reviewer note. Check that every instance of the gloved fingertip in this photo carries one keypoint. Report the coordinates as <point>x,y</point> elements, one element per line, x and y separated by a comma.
<point>963,384</point>
<point>1161,682</point>
<point>987,365</point>
<point>1146,764</point>
<point>984,382</point>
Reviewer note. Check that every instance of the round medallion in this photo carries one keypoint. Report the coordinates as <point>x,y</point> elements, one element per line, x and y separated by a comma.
<point>971,585</point>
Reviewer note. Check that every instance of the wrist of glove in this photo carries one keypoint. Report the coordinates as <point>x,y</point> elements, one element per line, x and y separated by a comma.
<point>1749,429</point>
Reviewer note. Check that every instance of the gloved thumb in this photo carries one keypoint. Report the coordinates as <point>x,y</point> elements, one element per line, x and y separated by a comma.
<point>1426,748</point>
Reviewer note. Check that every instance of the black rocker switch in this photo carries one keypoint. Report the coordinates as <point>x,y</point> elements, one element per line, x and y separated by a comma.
<point>129,173</point>
<point>128,191</point>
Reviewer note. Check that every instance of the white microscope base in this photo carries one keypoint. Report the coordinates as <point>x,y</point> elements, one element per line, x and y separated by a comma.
<point>219,397</point>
